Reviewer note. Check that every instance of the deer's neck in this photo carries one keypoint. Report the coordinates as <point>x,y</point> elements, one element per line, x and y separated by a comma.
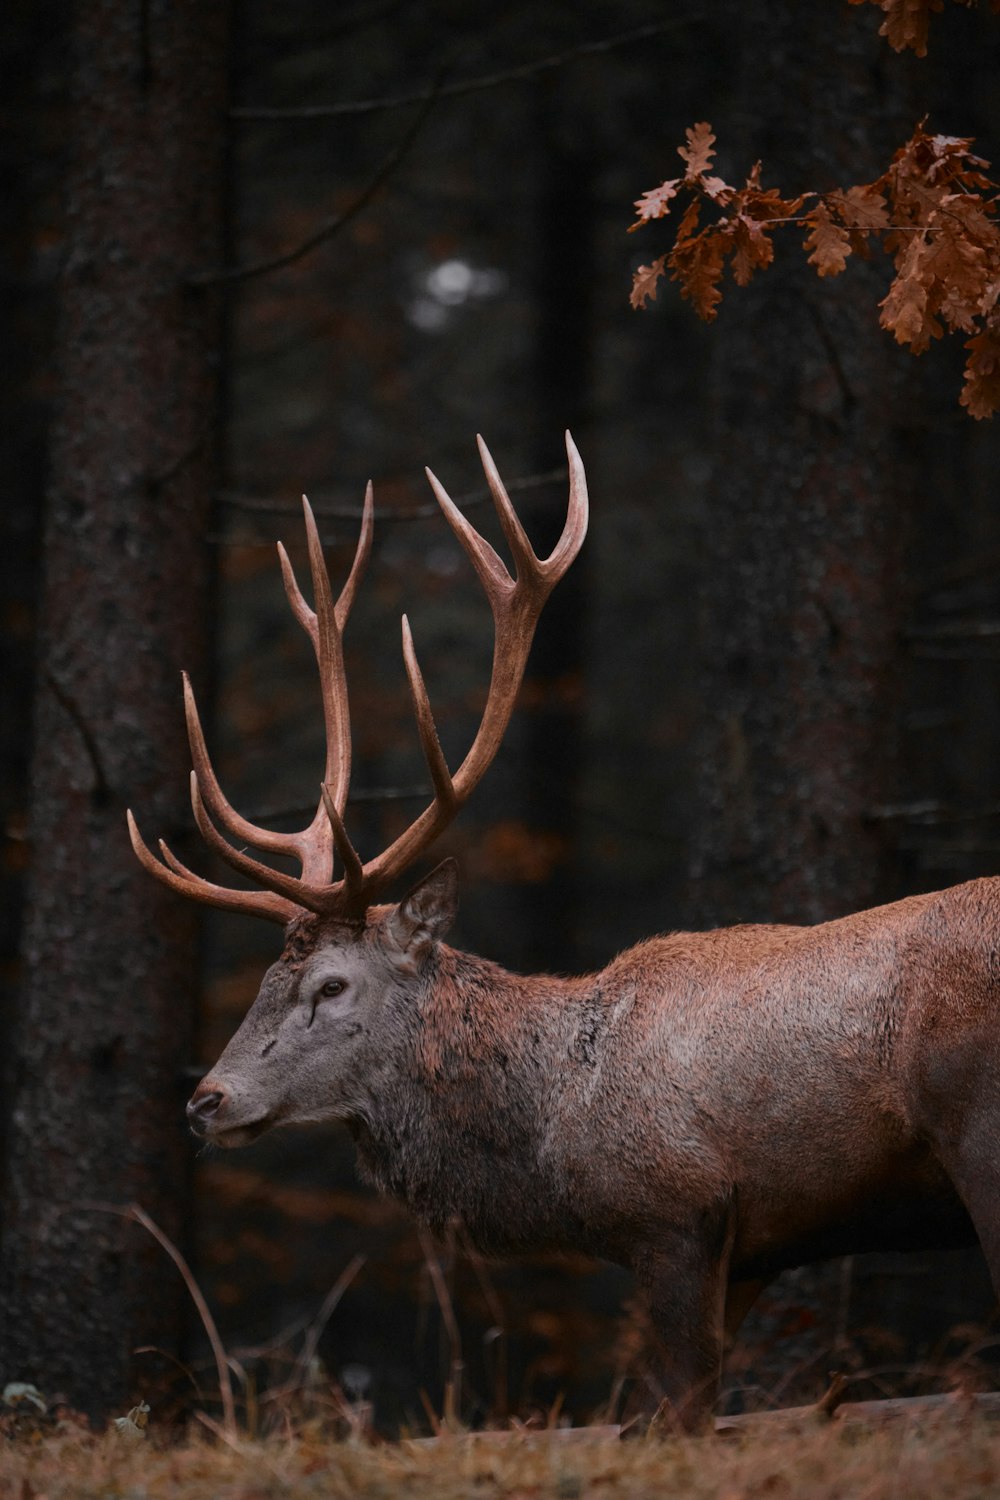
<point>461,1132</point>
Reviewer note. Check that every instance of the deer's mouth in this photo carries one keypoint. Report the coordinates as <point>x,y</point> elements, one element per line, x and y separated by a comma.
<point>239,1133</point>
<point>218,1116</point>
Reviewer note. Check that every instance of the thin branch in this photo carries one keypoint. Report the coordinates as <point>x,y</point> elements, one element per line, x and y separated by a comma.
<point>336,512</point>
<point>371,794</point>
<point>517,74</point>
<point>331,226</point>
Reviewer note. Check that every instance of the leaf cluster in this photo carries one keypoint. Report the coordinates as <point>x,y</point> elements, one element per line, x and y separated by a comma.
<point>933,212</point>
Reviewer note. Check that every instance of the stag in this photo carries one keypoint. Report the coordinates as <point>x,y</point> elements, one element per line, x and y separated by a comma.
<point>708,1110</point>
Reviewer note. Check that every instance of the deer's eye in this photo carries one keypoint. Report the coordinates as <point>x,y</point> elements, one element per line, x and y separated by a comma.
<point>328,990</point>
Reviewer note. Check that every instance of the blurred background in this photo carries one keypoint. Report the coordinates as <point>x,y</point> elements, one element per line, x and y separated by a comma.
<point>255,251</point>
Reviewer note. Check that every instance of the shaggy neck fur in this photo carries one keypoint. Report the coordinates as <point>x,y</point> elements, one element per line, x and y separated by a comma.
<point>459,1131</point>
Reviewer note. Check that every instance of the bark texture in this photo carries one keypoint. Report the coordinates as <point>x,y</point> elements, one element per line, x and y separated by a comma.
<point>95,1079</point>
<point>803,597</point>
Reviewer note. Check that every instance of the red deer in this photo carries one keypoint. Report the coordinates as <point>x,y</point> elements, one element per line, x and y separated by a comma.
<point>708,1110</point>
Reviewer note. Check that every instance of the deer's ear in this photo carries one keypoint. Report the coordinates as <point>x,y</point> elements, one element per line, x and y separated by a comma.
<point>424,916</point>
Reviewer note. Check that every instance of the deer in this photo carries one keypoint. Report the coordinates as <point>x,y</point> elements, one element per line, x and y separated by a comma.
<point>707,1110</point>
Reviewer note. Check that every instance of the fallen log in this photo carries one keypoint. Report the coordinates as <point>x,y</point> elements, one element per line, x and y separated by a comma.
<point>831,1408</point>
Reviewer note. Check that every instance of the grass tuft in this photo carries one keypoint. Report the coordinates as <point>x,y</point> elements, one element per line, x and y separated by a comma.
<point>940,1455</point>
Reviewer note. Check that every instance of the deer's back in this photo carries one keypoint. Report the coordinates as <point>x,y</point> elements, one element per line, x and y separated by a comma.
<point>802,1068</point>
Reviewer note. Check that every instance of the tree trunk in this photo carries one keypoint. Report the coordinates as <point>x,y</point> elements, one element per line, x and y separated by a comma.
<point>803,600</point>
<point>109,957</point>
<point>32,169</point>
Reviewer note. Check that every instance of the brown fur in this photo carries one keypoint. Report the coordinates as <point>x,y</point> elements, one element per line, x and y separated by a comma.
<point>709,1109</point>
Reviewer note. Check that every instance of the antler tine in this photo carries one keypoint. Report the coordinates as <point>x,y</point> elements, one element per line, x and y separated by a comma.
<point>325,626</point>
<point>490,568</point>
<point>516,605</point>
<point>550,569</point>
<point>577,514</point>
<point>299,892</point>
<point>444,787</point>
<point>362,553</point>
<point>328,641</point>
<point>351,860</point>
<point>219,804</point>
<point>329,644</point>
<point>524,557</point>
<point>300,609</point>
<point>179,878</point>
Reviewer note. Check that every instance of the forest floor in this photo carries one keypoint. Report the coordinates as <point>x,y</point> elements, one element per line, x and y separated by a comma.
<point>956,1457</point>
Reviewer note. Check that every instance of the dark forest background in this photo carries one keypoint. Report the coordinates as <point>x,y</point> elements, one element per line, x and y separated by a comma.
<point>769,689</point>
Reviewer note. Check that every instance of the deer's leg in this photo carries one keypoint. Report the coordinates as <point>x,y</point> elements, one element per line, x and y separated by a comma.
<point>957,1104</point>
<point>972,1160</point>
<point>685,1279</point>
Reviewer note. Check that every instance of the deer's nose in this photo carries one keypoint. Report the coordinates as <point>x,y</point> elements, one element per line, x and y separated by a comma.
<point>204,1104</point>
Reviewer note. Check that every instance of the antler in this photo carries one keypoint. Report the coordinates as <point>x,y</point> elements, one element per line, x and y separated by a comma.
<point>516,603</point>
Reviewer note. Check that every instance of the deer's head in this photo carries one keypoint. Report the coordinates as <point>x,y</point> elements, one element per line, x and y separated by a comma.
<point>351,971</point>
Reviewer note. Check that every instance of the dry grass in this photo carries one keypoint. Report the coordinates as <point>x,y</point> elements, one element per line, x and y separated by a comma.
<point>953,1457</point>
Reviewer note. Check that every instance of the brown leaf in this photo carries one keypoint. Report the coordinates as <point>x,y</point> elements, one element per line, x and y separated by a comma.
<point>699,150</point>
<point>862,207</point>
<point>753,248</point>
<point>644,282</point>
<point>716,189</point>
<point>958,273</point>
<point>697,265</point>
<point>689,221</point>
<point>905,313</point>
<point>655,203</point>
<point>981,390</point>
<point>828,244</point>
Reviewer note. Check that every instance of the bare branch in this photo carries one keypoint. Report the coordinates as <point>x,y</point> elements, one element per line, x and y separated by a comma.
<point>332,511</point>
<point>330,226</point>
<point>518,74</point>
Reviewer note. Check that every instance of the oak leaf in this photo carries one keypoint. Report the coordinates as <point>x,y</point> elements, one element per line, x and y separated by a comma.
<point>905,308</point>
<point>904,313</point>
<point>698,264</point>
<point>981,389</point>
<point>958,271</point>
<point>644,282</point>
<point>656,203</point>
<point>828,243</point>
<point>699,150</point>
<point>690,221</point>
<point>753,248</point>
<point>861,207</point>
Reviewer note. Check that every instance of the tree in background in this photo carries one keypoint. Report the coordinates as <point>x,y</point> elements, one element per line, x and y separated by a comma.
<point>104,1021</point>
